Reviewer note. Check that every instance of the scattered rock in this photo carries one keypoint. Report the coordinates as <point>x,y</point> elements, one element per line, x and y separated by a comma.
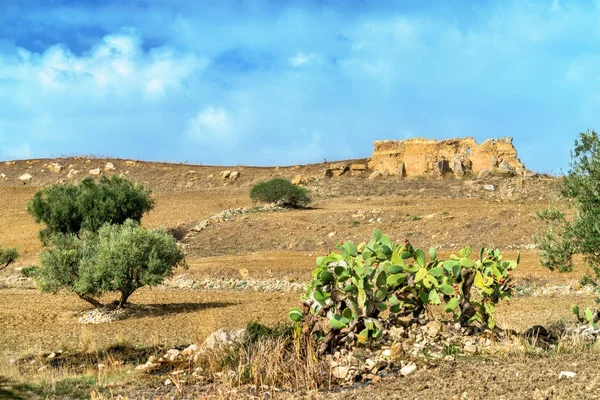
<point>25,178</point>
<point>358,167</point>
<point>331,234</point>
<point>408,369</point>
<point>505,169</point>
<point>131,163</point>
<point>95,171</point>
<point>54,167</point>
<point>72,173</point>
<point>340,372</point>
<point>336,169</point>
<point>489,188</point>
<point>484,173</point>
<point>109,167</point>
<point>566,375</point>
<point>9,163</point>
<point>2,176</point>
<point>299,180</point>
<point>375,175</point>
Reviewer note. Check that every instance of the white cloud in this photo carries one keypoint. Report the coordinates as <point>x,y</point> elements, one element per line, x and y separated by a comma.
<point>116,65</point>
<point>211,124</point>
<point>301,59</point>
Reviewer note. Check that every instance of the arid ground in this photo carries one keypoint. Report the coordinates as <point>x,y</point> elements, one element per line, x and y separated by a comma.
<point>276,250</point>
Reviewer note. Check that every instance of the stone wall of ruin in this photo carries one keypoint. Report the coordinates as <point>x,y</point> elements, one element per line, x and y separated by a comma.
<point>435,158</point>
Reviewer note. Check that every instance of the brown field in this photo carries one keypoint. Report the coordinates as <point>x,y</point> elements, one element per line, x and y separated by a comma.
<point>282,245</point>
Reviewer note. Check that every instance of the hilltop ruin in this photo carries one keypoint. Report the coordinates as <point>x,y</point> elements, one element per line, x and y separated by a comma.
<point>451,157</point>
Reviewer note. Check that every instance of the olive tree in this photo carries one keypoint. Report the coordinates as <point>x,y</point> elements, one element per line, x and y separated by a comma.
<point>116,258</point>
<point>69,209</point>
<point>565,233</point>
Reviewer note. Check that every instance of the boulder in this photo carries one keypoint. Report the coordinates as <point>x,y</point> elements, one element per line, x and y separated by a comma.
<point>489,188</point>
<point>505,169</point>
<point>375,175</point>
<point>335,169</point>
<point>234,176</point>
<point>95,171</point>
<point>72,173</point>
<point>54,167</point>
<point>299,180</point>
<point>2,176</point>
<point>131,163</point>
<point>25,178</point>
<point>458,169</point>
<point>358,167</point>
<point>109,167</point>
<point>225,174</point>
<point>484,173</point>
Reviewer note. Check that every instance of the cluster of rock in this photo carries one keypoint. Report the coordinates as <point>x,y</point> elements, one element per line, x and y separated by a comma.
<point>103,315</point>
<point>227,215</point>
<point>229,176</point>
<point>174,358</point>
<point>257,285</point>
<point>339,169</point>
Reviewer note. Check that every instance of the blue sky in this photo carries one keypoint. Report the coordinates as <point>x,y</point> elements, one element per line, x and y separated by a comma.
<point>284,82</point>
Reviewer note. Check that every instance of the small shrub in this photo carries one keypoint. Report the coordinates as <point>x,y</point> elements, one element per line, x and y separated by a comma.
<point>282,192</point>
<point>119,258</point>
<point>68,209</point>
<point>353,287</point>
<point>7,257</point>
<point>30,272</point>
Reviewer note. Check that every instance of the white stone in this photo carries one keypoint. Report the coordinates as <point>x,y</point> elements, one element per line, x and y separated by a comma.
<point>566,375</point>
<point>25,178</point>
<point>109,167</point>
<point>408,369</point>
<point>54,167</point>
<point>331,234</point>
<point>72,173</point>
<point>340,372</point>
<point>489,188</point>
<point>95,171</point>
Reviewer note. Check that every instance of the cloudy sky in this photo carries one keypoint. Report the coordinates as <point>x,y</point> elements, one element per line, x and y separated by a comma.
<point>284,82</point>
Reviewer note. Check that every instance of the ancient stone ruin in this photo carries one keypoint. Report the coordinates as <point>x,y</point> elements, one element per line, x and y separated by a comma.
<point>452,157</point>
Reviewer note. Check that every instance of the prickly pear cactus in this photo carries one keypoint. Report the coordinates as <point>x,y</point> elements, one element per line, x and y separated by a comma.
<point>352,287</point>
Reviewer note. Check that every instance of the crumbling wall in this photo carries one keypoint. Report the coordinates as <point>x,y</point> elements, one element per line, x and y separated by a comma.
<point>436,158</point>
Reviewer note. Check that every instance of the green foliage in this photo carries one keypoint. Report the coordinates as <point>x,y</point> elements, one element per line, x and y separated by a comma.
<point>561,237</point>
<point>7,257</point>
<point>30,272</point>
<point>352,287</point>
<point>119,258</point>
<point>256,332</point>
<point>68,209</point>
<point>282,192</point>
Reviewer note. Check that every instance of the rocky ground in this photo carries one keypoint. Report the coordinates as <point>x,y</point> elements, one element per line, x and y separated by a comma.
<point>248,263</point>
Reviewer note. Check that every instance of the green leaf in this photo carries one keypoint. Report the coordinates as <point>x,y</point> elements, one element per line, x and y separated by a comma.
<point>326,276</point>
<point>434,298</point>
<point>424,296</point>
<point>296,314</point>
<point>437,271</point>
<point>385,240</point>
<point>338,322</point>
<point>421,273</point>
<point>420,257</point>
<point>350,288</point>
<point>348,314</point>
<point>320,296</point>
<point>447,290</point>
<point>576,309</point>
<point>380,280</point>
<point>394,269</point>
<point>452,304</point>
<point>351,248</point>
<point>432,254</point>
<point>467,262</point>
<point>588,315</point>
<point>405,255</point>
<point>381,306</point>
<point>396,259</point>
<point>377,234</point>
<point>380,294</point>
<point>363,336</point>
<point>467,251</point>
<point>396,280</point>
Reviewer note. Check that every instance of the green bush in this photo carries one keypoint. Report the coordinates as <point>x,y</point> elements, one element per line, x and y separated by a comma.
<point>30,272</point>
<point>561,237</point>
<point>120,258</point>
<point>68,209</point>
<point>7,257</point>
<point>353,287</point>
<point>282,192</point>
